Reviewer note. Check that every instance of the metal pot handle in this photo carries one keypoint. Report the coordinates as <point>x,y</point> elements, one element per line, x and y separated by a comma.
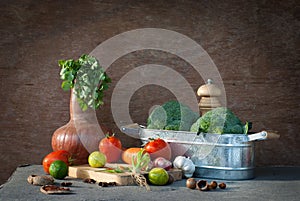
<point>132,130</point>
<point>263,135</point>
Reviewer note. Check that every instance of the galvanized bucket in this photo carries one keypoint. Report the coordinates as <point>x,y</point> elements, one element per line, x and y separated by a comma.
<point>226,156</point>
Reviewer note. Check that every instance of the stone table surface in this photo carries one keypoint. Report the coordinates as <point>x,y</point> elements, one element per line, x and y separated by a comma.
<point>270,183</point>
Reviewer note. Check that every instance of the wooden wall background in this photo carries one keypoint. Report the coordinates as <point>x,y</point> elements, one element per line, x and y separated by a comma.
<point>254,44</point>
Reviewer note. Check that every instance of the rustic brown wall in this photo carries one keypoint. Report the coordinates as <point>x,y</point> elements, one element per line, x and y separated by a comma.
<point>255,45</point>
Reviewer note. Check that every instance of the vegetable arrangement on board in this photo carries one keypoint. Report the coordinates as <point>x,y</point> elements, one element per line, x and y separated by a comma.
<point>147,165</point>
<point>142,168</point>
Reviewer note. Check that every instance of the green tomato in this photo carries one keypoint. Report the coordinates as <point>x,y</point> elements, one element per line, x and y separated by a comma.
<point>58,169</point>
<point>158,176</point>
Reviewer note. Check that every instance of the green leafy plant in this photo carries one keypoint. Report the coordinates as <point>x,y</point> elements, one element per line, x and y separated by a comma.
<point>140,162</point>
<point>87,78</point>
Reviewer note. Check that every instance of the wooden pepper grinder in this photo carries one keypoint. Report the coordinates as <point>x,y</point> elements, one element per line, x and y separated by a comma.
<point>209,94</point>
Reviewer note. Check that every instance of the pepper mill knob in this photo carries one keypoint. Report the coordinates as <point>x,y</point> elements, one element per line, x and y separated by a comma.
<point>209,94</point>
<point>209,90</point>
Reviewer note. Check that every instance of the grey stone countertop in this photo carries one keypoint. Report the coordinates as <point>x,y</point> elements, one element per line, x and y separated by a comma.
<point>270,183</point>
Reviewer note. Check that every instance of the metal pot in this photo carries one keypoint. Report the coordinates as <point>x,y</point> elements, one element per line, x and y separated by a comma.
<point>226,156</point>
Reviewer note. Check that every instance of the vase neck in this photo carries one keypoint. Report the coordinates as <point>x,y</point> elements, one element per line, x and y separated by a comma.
<point>76,112</point>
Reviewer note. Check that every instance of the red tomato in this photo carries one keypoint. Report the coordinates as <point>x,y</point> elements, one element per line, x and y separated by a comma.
<point>111,147</point>
<point>158,148</point>
<point>62,155</point>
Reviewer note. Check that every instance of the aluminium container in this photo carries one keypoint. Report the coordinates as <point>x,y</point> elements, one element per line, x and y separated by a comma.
<point>226,156</point>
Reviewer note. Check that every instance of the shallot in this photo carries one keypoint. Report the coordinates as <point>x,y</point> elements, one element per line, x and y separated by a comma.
<point>163,163</point>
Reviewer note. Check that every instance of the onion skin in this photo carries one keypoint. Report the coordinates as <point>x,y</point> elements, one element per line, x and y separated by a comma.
<point>66,138</point>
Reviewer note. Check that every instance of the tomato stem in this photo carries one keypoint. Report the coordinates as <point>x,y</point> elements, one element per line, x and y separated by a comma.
<point>107,135</point>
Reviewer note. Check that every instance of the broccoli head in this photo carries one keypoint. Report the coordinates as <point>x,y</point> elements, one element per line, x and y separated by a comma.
<point>172,115</point>
<point>219,120</point>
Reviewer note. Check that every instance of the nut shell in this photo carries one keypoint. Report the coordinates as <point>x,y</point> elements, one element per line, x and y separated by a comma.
<point>40,180</point>
<point>222,185</point>
<point>191,183</point>
<point>213,185</point>
<point>202,185</point>
<point>52,189</point>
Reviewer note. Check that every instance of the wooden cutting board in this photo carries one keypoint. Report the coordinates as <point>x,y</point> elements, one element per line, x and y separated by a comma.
<point>100,175</point>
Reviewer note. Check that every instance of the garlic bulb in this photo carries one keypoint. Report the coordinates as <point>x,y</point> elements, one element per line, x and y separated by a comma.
<point>185,164</point>
<point>179,161</point>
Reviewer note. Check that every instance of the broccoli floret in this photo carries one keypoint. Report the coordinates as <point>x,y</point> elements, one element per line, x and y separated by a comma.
<point>219,120</point>
<point>236,129</point>
<point>201,124</point>
<point>158,118</point>
<point>172,115</point>
<point>195,126</point>
<point>175,125</point>
<point>216,129</point>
